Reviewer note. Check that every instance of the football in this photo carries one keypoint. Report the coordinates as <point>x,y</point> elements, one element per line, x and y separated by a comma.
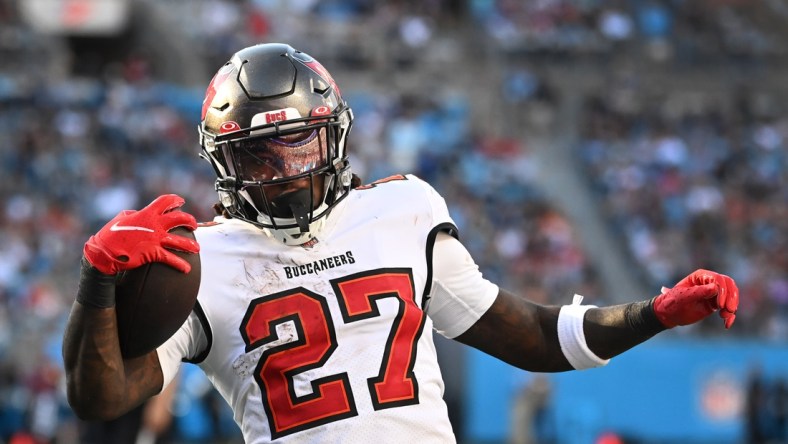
<point>153,301</point>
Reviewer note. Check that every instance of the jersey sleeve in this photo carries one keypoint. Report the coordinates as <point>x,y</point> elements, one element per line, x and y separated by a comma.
<point>185,344</point>
<point>439,211</point>
<point>460,294</point>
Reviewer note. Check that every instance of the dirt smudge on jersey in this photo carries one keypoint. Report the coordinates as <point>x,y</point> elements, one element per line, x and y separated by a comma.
<point>261,279</point>
<point>245,364</point>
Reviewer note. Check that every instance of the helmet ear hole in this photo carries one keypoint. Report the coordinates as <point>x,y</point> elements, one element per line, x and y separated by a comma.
<point>227,199</point>
<point>346,178</point>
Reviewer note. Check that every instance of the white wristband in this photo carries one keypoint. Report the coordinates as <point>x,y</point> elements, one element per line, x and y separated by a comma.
<point>573,339</point>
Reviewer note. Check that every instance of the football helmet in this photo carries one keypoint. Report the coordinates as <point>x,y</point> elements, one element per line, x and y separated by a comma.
<point>274,127</point>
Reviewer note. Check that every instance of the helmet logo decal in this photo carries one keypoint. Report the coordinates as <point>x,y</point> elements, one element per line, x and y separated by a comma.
<point>321,110</point>
<point>315,66</point>
<point>228,127</point>
<point>277,115</point>
<point>216,82</point>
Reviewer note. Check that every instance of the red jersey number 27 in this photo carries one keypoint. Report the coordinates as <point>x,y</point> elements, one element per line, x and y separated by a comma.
<point>331,398</point>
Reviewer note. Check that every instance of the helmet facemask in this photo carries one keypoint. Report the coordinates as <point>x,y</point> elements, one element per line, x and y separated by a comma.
<point>285,176</point>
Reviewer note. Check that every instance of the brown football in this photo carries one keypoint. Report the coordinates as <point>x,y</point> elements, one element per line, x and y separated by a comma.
<point>153,301</point>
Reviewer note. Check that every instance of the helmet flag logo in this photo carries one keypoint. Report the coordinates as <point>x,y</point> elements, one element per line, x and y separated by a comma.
<point>315,66</point>
<point>216,82</point>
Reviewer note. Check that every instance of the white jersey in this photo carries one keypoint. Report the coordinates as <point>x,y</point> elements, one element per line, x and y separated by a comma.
<point>329,343</point>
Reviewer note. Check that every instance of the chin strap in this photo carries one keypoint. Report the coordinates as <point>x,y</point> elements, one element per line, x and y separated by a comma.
<point>297,202</point>
<point>301,215</point>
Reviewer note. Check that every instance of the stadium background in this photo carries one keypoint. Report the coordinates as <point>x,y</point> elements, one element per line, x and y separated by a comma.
<point>598,147</point>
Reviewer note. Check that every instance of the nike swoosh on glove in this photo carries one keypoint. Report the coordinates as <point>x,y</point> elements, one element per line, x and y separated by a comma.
<point>697,296</point>
<point>133,238</point>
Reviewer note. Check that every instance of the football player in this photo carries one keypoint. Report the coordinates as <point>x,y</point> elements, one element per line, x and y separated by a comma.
<point>319,295</point>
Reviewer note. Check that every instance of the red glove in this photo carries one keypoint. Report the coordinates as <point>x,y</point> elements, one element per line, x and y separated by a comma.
<point>134,238</point>
<point>696,296</point>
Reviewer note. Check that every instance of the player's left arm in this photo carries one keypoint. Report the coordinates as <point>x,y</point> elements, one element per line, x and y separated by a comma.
<point>519,332</point>
<point>550,338</point>
<point>532,337</point>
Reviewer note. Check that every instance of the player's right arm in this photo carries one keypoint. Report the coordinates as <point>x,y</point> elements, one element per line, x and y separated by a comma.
<point>101,384</point>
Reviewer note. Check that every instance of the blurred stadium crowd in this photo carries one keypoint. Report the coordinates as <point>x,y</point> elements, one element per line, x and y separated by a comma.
<point>685,157</point>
